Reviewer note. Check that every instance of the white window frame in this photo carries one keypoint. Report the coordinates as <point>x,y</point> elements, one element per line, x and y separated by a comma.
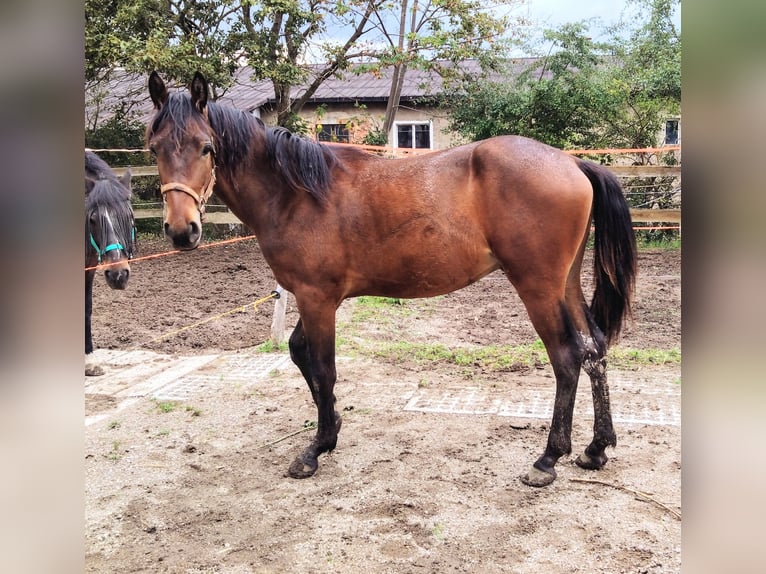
<point>665,131</point>
<point>395,135</point>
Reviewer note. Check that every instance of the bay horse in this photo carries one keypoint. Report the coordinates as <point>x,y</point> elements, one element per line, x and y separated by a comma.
<point>109,233</point>
<point>334,222</point>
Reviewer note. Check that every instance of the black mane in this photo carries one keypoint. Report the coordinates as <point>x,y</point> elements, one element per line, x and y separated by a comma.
<point>106,192</point>
<point>96,169</point>
<point>303,164</point>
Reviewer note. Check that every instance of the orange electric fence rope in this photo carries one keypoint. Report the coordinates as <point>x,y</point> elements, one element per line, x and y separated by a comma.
<point>164,253</point>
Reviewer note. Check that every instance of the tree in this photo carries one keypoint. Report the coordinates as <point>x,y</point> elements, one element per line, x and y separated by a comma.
<point>176,37</point>
<point>275,37</point>
<point>556,99</point>
<point>582,94</point>
<point>437,36</point>
<point>278,33</point>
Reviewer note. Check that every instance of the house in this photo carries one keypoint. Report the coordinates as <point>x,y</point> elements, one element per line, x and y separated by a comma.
<point>343,109</point>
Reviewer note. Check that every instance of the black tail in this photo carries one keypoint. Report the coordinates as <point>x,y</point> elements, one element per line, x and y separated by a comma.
<point>614,258</point>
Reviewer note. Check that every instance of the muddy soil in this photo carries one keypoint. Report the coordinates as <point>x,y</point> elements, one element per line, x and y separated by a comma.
<point>200,486</point>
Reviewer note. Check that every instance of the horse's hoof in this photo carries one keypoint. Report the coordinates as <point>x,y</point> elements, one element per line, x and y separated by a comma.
<point>589,462</point>
<point>94,370</point>
<point>537,477</point>
<point>302,468</point>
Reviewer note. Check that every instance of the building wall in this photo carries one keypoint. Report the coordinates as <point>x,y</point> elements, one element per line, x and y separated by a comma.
<point>360,120</point>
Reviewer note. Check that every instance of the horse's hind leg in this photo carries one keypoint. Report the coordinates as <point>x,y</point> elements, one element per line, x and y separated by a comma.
<point>556,328</point>
<point>594,363</point>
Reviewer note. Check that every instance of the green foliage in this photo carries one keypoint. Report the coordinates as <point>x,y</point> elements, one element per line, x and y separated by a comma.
<point>166,406</point>
<point>375,136</point>
<point>276,37</point>
<point>120,131</point>
<point>582,94</point>
<point>175,38</point>
<point>270,347</point>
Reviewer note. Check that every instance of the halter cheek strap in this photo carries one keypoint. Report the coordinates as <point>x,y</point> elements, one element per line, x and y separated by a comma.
<point>113,246</point>
<point>105,250</point>
<point>199,199</point>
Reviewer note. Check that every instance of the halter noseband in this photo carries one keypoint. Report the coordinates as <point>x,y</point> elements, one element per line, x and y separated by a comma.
<point>199,199</point>
<point>113,246</point>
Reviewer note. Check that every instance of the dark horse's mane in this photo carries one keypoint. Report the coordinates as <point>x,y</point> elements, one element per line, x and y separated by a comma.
<point>96,169</point>
<point>104,189</point>
<point>303,164</point>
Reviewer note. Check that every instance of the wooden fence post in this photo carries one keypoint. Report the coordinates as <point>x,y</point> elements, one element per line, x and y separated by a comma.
<point>278,321</point>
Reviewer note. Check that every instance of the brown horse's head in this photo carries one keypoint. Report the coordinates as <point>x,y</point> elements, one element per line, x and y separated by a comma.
<point>181,139</point>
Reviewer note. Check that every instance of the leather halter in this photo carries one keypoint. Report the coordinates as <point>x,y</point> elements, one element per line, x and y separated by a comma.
<point>199,199</point>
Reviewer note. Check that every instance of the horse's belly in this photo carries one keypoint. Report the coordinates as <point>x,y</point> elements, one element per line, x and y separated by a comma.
<point>425,274</point>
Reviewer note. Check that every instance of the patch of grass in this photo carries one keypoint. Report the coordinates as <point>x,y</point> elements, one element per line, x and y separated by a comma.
<point>491,357</point>
<point>193,411</point>
<point>438,531</point>
<point>166,406</point>
<point>115,453</point>
<point>368,308</point>
<point>114,425</point>
<point>618,357</point>
<point>270,347</point>
<point>646,241</point>
<point>504,357</point>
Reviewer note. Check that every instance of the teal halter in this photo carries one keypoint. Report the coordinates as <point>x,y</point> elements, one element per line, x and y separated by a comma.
<point>111,246</point>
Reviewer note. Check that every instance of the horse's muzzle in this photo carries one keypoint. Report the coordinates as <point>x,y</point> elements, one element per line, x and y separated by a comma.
<point>117,277</point>
<point>186,238</point>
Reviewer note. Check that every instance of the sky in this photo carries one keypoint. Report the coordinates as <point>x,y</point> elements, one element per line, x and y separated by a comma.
<point>545,14</point>
<point>552,13</point>
<point>555,12</point>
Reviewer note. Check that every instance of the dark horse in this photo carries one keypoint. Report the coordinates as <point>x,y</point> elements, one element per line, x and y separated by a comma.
<point>334,222</point>
<point>109,231</point>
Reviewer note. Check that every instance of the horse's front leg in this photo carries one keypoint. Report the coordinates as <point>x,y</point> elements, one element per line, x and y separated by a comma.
<point>312,349</point>
<point>89,275</point>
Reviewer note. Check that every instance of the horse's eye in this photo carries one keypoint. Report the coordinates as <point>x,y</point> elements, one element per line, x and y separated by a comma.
<point>152,150</point>
<point>207,148</point>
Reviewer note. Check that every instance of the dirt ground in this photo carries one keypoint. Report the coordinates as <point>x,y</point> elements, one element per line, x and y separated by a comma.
<point>201,487</point>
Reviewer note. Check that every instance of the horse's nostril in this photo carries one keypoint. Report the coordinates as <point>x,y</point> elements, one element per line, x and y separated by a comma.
<point>193,229</point>
<point>167,228</point>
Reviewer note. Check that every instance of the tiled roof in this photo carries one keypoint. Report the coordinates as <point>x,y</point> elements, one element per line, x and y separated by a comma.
<point>246,94</point>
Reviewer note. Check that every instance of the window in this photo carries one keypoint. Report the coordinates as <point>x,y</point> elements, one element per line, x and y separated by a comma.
<point>672,132</point>
<point>416,136</point>
<point>333,133</point>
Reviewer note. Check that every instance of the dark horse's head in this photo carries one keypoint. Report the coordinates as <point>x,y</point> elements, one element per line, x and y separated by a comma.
<point>181,139</point>
<point>109,224</point>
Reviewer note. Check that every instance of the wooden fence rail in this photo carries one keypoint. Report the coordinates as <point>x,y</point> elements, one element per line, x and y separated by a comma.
<point>638,215</point>
<point>280,305</point>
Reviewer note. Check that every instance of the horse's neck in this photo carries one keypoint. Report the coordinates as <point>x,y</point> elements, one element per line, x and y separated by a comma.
<point>248,198</point>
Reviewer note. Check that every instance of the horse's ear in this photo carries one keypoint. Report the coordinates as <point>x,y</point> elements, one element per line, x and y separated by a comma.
<point>198,89</point>
<point>157,90</point>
